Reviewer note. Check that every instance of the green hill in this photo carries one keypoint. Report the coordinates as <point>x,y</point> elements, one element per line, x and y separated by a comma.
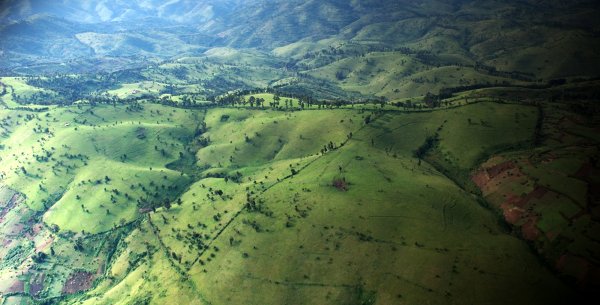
<point>276,204</point>
<point>299,152</point>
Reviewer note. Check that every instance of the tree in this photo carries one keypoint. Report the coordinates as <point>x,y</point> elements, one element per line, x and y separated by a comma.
<point>78,245</point>
<point>430,143</point>
<point>39,257</point>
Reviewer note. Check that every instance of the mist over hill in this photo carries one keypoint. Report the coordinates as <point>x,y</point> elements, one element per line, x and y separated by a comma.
<point>185,11</point>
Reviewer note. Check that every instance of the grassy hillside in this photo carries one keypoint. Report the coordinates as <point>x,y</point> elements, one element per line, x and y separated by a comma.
<point>296,207</point>
<point>536,42</point>
<point>44,156</point>
<point>299,152</point>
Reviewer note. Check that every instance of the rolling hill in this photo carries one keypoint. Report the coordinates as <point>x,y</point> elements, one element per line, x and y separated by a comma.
<point>299,152</point>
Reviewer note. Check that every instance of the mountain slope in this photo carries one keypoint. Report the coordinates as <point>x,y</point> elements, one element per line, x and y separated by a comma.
<point>117,10</point>
<point>254,199</point>
<point>543,42</point>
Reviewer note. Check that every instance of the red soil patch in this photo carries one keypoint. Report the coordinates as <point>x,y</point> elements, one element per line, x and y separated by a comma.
<point>515,212</point>
<point>340,184</point>
<point>78,281</point>
<point>37,228</point>
<point>37,285</point>
<point>17,287</point>
<point>574,266</point>
<point>481,179</point>
<point>44,245</point>
<point>511,213</point>
<point>529,229</point>
<point>520,212</point>
<point>513,199</point>
<point>496,170</point>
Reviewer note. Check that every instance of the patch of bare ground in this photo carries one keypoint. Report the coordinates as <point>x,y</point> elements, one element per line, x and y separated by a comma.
<point>78,281</point>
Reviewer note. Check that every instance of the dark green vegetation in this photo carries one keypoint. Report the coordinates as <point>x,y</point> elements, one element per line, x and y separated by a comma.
<point>299,152</point>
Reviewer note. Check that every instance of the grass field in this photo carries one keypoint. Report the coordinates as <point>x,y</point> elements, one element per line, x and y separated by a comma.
<point>96,160</point>
<point>16,87</point>
<point>328,206</point>
<point>322,152</point>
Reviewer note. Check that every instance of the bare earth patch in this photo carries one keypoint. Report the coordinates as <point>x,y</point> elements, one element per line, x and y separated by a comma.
<point>37,284</point>
<point>502,182</point>
<point>78,281</point>
<point>12,203</point>
<point>44,245</point>
<point>17,287</point>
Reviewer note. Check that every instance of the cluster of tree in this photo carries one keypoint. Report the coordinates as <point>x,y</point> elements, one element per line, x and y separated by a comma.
<point>325,56</point>
<point>37,109</point>
<point>430,143</point>
<point>516,75</point>
<point>328,147</point>
<point>39,257</point>
<point>237,99</point>
<point>69,88</point>
<point>155,195</point>
<point>43,158</point>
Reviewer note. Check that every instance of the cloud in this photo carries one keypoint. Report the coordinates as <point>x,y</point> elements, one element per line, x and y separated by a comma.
<point>104,12</point>
<point>25,7</point>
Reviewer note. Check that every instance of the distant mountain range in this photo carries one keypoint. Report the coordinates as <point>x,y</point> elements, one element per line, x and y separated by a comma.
<point>506,35</point>
<point>118,10</point>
